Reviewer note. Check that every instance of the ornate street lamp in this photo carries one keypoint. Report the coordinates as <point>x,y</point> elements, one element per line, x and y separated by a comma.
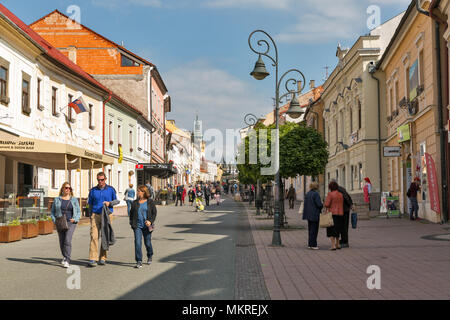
<point>260,73</point>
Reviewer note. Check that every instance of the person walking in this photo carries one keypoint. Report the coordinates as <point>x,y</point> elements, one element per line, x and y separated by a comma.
<point>150,189</point>
<point>66,204</point>
<point>292,196</point>
<point>100,195</point>
<point>335,204</point>
<point>183,195</point>
<point>367,191</point>
<point>414,188</point>
<point>348,205</point>
<point>142,221</point>
<point>129,197</point>
<point>179,195</point>
<point>217,195</point>
<point>311,212</point>
<point>191,195</point>
<point>207,194</point>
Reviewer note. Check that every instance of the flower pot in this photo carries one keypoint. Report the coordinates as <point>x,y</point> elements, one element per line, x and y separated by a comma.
<point>45,227</point>
<point>10,233</point>
<point>30,230</point>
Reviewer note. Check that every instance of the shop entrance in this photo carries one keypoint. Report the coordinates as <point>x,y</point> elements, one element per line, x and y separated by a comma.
<point>25,179</point>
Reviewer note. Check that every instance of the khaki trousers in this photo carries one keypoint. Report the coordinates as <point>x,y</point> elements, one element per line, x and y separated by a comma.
<point>96,224</point>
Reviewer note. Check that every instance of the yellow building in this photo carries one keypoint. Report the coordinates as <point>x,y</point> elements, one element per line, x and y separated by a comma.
<point>351,116</point>
<point>410,105</point>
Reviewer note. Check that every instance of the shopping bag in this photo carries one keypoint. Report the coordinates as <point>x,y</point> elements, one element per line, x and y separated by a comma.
<point>354,218</point>
<point>326,220</point>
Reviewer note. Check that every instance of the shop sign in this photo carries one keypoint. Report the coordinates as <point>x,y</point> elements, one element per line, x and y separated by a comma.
<point>403,133</point>
<point>17,145</point>
<point>392,151</point>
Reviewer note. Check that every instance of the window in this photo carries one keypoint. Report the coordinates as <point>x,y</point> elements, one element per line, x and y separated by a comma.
<point>111,132</point>
<point>351,120</point>
<point>54,101</point>
<point>396,97</point>
<point>359,115</point>
<point>26,97</point>
<point>119,134</point>
<point>4,68</point>
<point>119,180</point>
<point>139,138</point>
<point>337,132</point>
<point>130,139</point>
<point>342,127</point>
<point>352,174</point>
<point>109,176</point>
<point>127,62</point>
<point>38,98</point>
<point>421,68</point>
<point>344,183</point>
<point>360,176</point>
<point>337,175</point>
<point>91,111</point>
<point>391,101</point>
<point>69,108</point>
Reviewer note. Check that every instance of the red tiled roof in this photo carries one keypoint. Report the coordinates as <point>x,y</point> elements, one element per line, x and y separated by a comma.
<point>56,55</point>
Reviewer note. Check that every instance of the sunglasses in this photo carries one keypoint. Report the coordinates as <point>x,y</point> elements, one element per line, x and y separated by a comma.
<point>101,180</point>
<point>70,188</point>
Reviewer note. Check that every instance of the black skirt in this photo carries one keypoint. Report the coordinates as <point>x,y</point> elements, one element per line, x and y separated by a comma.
<point>336,230</point>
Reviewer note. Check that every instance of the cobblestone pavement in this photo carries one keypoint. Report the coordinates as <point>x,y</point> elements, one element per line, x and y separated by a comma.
<point>413,257</point>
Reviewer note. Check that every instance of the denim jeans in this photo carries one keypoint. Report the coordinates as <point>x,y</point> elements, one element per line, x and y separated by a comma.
<point>65,241</point>
<point>129,202</point>
<point>138,234</point>
<point>414,208</point>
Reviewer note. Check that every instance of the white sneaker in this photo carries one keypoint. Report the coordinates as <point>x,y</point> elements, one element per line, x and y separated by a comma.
<point>315,248</point>
<point>66,264</point>
<point>63,260</point>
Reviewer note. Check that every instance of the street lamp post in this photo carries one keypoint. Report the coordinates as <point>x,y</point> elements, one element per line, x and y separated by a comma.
<point>295,111</point>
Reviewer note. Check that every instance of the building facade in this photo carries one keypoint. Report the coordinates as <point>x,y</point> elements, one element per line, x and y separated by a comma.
<point>351,111</point>
<point>133,78</point>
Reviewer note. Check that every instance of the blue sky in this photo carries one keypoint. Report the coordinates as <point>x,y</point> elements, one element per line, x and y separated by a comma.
<point>201,46</point>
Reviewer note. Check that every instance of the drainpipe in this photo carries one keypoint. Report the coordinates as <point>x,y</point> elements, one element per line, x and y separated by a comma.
<point>372,70</point>
<point>443,143</point>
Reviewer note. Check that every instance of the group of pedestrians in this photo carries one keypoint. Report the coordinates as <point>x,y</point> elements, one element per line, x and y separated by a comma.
<point>339,203</point>
<point>142,215</point>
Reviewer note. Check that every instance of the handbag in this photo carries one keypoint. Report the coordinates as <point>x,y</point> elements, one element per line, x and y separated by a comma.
<point>354,218</point>
<point>61,222</point>
<point>326,220</point>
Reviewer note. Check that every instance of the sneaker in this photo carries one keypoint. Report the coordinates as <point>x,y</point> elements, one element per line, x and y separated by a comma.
<point>102,262</point>
<point>92,263</point>
<point>149,261</point>
<point>63,260</point>
<point>66,264</point>
<point>314,248</point>
<point>138,265</point>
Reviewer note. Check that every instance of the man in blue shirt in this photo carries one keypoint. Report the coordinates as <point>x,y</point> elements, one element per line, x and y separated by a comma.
<point>98,196</point>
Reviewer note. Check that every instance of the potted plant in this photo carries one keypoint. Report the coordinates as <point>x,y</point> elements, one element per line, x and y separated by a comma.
<point>30,229</point>
<point>45,225</point>
<point>11,232</point>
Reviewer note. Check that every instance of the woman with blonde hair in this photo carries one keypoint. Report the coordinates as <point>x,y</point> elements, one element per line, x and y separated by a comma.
<point>66,205</point>
<point>311,212</point>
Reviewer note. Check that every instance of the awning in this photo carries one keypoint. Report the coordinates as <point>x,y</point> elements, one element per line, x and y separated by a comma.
<point>159,170</point>
<point>50,155</point>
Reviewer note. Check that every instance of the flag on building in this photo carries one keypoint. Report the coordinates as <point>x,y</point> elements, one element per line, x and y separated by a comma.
<point>79,105</point>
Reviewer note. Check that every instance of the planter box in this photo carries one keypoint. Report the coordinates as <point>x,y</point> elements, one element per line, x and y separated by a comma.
<point>30,230</point>
<point>10,233</point>
<point>45,227</point>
